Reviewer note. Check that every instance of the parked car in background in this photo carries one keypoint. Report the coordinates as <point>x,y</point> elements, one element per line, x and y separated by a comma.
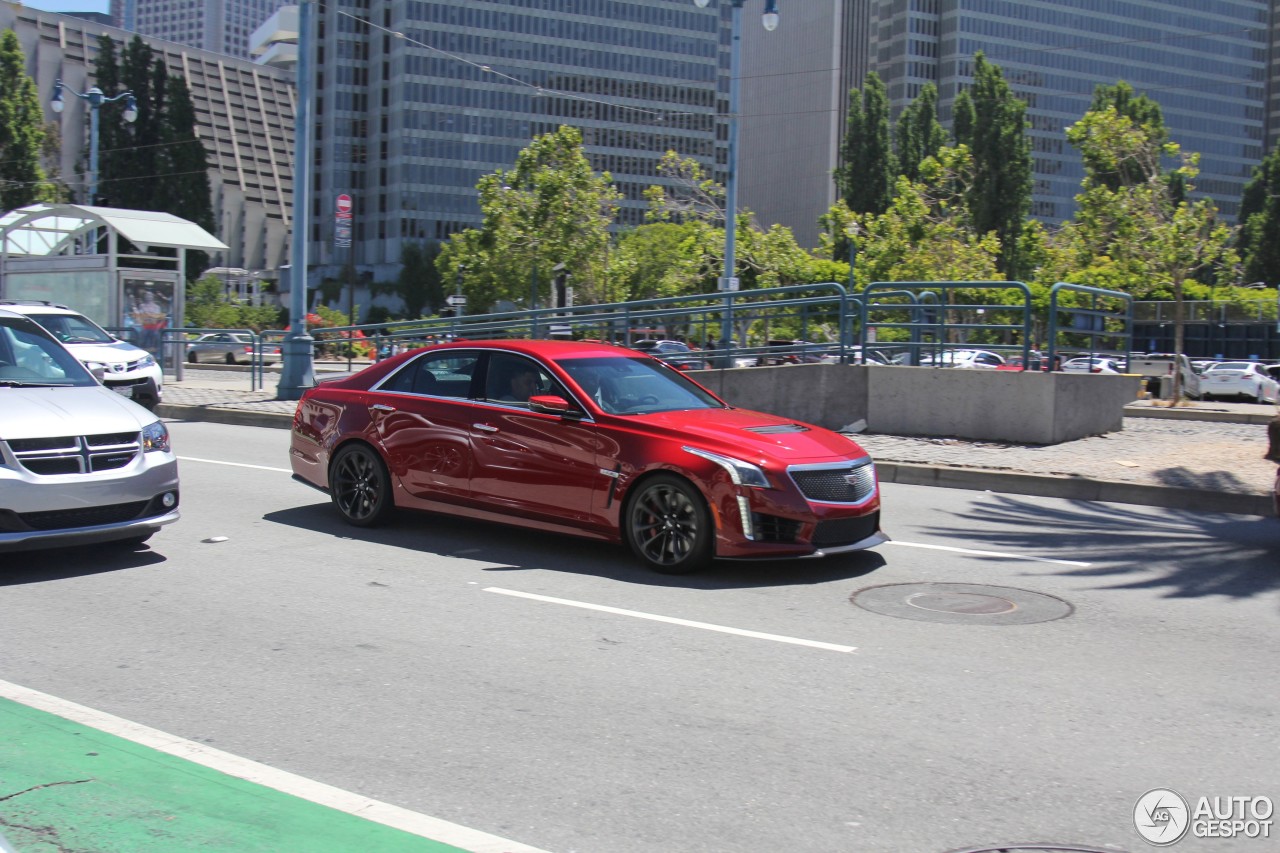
<point>675,353</point>
<point>1246,379</point>
<point>790,352</point>
<point>1096,364</point>
<point>1154,367</point>
<point>128,370</point>
<point>79,464</point>
<point>1035,361</point>
<point>608,444</point>
<point>966,358</point>
<point>229,347</point>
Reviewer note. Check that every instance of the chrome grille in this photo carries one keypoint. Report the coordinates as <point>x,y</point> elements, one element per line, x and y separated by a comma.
<point>76,454</point>
<point>847,483</point>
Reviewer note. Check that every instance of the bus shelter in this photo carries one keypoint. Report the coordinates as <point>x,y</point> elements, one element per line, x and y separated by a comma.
<point>124,269</point>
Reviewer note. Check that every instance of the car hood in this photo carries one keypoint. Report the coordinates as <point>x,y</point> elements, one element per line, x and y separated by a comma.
<point>748,435</point>
<point>40,412</point>
<point>120,351</point>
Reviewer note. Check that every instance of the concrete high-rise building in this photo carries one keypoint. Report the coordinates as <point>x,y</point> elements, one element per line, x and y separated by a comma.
<point>416,101</point>
<point>244,118</point>
<point>221,26</point>
<point>1207,64</point>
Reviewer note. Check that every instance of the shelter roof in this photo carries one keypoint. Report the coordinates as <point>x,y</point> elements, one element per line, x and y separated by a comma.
<point>44,229</point>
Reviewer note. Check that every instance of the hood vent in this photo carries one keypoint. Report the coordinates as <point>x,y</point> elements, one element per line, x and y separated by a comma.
<point>777,429</point>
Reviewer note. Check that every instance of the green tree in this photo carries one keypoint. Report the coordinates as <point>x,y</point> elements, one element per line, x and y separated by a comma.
<point>864,178</point>
<point>22,180</point>
<point>550,209</point>
<point>918,133</point>
<point>418,284</point>
<point>1259,239</point>
<point>157,162</point>
<point>1140,233</point>
<point>655,260</point>
<point>992,123</point>
<point>927,233</point>
<point>1144,113</point>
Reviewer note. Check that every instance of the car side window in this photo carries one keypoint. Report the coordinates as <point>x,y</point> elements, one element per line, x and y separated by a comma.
<point>436,375</point>
<point>514,379</point>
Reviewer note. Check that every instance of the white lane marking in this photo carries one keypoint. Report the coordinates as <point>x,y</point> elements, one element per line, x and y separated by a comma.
<point>260,774</point>
<point>1002,554</point>
<point>233,464</point>
<point>706,626</point>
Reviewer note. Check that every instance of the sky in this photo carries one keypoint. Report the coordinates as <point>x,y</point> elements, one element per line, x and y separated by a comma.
<point>69,5</point>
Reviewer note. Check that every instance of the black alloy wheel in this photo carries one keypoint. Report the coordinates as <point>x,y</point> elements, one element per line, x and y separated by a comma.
<point>360,486</point>
<point>668,526</point>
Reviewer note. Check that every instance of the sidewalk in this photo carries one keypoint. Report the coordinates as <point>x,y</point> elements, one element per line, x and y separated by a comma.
<point>1205,457</point>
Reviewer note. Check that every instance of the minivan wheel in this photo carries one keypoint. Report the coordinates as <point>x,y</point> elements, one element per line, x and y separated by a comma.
<point>360,486</point>
<point>668,526</point>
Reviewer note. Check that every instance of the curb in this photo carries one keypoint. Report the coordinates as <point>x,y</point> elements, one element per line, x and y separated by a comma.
<point>218,415</point>
<point>1201,415</point>
<point>1074,488</point>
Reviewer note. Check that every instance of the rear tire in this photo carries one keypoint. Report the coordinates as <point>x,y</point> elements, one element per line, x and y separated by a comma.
<point>668,526</point>
<point>360,486</point>
<point>194,358</point>
<point>231,358</point>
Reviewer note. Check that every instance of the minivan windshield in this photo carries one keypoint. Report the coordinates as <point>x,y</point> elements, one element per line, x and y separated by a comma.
<point>29,357</point>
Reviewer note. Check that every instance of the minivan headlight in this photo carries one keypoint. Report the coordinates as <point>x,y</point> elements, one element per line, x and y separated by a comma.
<point>741,472</point>
<point>155,438</point>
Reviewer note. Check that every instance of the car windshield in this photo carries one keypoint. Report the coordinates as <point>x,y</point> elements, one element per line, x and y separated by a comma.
<point>73,329</point>
<point>632,386</point>
<point>29,357</point>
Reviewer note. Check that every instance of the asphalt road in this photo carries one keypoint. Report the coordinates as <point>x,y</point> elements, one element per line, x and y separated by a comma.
<point>552,692</point>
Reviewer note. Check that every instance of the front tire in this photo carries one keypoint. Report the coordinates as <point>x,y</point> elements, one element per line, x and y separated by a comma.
<point>360,486</point>
<point>231,358</point>
<point>193,357</point>
<point>668,526</point>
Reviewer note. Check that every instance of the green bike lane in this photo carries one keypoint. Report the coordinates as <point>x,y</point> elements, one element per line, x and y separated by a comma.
<point>71,787</point>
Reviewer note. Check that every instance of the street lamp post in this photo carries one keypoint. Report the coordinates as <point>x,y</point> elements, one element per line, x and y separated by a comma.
<point>729,281</point>
<point>297,369</point>
<point>95,98</point>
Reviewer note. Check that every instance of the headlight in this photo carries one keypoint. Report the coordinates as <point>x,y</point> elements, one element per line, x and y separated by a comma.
<point>155,437</point>
<point>146,361</point>
<point>742,473</point>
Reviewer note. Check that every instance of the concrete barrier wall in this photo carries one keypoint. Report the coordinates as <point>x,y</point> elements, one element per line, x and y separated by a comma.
<point>1028,408</point>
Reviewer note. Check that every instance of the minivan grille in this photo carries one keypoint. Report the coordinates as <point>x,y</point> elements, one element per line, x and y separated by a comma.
<point>83,454</point>
<point>852,483</point>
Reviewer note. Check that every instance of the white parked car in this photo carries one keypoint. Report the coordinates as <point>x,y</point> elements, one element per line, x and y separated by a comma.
<point>1092,365</point>
<point>79,464</point>
<point>128,370</point>
<point>970,358</point>
<point>1240,379</point>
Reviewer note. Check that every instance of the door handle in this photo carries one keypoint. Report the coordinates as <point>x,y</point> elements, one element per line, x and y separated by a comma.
<point>485,427</point>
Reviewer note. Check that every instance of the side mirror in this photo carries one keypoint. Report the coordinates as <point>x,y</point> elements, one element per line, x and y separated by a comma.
<point>550,404</point>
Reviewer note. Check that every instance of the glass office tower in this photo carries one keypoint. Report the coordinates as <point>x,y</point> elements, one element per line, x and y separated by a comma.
<point>417,99</point>
<point>1204,61</point>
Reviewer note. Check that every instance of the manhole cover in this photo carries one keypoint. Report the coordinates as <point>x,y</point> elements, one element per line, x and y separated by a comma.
<point>961,603</point>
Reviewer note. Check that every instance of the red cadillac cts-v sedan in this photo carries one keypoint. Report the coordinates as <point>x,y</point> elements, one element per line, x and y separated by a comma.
<point>587,439</point>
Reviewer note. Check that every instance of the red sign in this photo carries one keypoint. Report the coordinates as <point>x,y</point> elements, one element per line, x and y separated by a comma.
<point>343,204</point>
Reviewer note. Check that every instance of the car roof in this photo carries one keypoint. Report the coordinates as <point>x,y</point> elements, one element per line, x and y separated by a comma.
<point>28,306</point>
<point>545,349</point>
